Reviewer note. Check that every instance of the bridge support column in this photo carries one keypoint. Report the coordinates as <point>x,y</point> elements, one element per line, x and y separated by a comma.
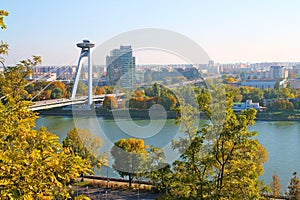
<point>85,52</point>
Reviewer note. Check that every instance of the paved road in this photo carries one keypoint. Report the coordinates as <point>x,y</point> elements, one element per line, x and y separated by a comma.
<point>100,193</point>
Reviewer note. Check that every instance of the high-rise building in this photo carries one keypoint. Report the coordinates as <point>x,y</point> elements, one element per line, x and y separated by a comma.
<point>278,72</point>
<point>120,68</point>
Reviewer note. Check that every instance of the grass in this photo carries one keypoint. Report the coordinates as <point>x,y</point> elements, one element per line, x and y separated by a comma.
<point>111,184</point>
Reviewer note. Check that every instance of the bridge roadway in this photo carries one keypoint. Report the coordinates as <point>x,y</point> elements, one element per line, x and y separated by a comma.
<point>56,103</point>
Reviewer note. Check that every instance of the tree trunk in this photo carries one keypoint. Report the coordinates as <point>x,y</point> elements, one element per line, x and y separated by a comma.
<point>130,180</point>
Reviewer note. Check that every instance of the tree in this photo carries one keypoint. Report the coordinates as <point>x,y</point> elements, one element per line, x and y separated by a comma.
<point>110,102</point>
<point>3,14</point>
<point>3,51</point>
<point>221,160</point>
<point>282,105</point>
<point>99,90</point>
<point>59,85</point>
<point>277,85</point>
<point>270,93</point>
<point>86,145</point>
<point>56,93</point>
<point>33,164</point>
<point>160,172</point>
<point>131,158</point>
<point>82,89</point>
<point>294,188</point>
<point>275,185</point>
<point>13,82</point>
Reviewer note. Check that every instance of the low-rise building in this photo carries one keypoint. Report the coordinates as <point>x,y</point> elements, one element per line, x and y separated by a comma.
<point>263,84</point>
<point>245,105</point>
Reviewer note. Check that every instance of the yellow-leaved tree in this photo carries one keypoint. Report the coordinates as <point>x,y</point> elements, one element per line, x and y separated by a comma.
<point>33,164</point>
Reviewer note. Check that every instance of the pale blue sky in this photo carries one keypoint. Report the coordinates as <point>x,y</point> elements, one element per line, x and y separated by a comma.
<point>228,30</point>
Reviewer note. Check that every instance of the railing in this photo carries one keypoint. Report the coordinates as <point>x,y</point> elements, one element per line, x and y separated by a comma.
<point>55,103</point>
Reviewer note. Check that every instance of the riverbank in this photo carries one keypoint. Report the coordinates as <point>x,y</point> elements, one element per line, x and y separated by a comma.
<point>136,114</point>
<point>144,114</point>
<point>278,116</point>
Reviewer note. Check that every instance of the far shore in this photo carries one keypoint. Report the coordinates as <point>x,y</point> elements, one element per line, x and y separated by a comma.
<point>144,114</point>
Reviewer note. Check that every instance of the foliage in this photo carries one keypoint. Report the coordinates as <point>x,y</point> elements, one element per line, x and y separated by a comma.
<point>110,102</point>
<point>56,93</point>
<point>294,188</point>
<point>157,94</point>
<point>281,105</point>
<point>3,14</point>
<point>86,145</point>
<point>218,161</point>
<point>3,51</point>
<point>13,82</point>
<point>158,169</point>
<point>131,158</point>
<point>99,90</point>
<point>275,185</point>
<point>82,197</point>
<point>33,164</point>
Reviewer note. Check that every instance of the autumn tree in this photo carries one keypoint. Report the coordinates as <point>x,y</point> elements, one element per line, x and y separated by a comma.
<point>86,145</point>
<point>294,188</point>
<point>3,14</point>
<point>58,86</point>
<point>275,185</point>
<point>99,90</point>
<point>13,79</point>
<point>33,164</point>
<point>131,158</point>
<point>110,102</point>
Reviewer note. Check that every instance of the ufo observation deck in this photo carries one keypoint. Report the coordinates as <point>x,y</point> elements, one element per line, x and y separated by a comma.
<point>85,44</point>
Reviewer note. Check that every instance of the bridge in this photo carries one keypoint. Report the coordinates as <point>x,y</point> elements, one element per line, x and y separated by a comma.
<point>88,101</point>
<point>56,103</point>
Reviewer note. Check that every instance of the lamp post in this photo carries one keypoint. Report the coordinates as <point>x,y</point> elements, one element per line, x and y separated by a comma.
<point>107,179</point>
<point>138,188</point>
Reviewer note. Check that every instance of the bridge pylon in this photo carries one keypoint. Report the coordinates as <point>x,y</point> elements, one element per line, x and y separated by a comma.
<point>85,52</point>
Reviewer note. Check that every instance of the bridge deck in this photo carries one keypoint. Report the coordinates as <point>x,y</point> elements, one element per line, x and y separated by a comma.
<point>56,103</point>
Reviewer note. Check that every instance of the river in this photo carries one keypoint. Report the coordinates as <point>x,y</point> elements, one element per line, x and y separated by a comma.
<point>281,139</point>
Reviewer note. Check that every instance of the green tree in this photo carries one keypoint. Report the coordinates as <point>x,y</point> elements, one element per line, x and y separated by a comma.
<point>56,93</point>
<point>294,188</point>
<point>275,185</point>
<point>277,85</point>
<point>282,105</point>
<point>160,172</point>
<point>82,89</point>
<point>270,93</point>
<point>131,158</point>
<point>221,160</point>
<point>86,145</point>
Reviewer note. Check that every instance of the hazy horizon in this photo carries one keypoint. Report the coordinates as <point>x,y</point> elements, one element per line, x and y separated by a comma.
<point>229,31</point>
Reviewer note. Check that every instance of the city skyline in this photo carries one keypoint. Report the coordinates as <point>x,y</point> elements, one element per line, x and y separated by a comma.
<point>229,31</point>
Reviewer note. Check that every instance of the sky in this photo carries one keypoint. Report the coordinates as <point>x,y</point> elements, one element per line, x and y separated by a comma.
<point>228,30</point>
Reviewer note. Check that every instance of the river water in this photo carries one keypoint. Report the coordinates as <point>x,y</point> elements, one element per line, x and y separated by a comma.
<point>281,139</point>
